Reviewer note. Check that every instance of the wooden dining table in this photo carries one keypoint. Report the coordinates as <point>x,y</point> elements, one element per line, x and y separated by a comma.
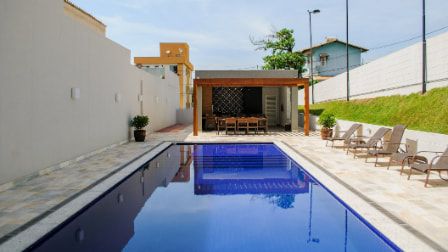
<point>221,123</point>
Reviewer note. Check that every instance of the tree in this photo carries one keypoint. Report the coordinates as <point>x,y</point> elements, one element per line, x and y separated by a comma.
<point>281,44</point>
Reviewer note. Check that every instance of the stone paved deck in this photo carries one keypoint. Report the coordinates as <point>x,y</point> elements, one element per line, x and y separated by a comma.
<point>422,211</point>
<point>419,210</point>
<point>23,204</point>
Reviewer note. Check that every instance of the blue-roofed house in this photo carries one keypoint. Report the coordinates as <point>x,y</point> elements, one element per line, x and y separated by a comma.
<point>329,58</point>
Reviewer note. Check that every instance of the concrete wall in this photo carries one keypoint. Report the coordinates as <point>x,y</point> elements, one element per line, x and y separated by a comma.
<point>313,121</point>
<point>397,73</point>
<point>271,91</point>
<point>289,115</point>
<point>427,141</point>
<point>207,74</point>
<point>184,116</point>
<point>44,54</point>
<point>285,103</point>
<point>160,98</point>
<point>285,97</point>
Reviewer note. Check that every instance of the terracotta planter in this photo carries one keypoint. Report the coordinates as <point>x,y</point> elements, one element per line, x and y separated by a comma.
<point>325,133</point>
<point>139,135</point>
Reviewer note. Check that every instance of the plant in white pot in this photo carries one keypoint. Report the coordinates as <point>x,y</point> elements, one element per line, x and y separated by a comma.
<point>327,121</point>
<point>139,123</point>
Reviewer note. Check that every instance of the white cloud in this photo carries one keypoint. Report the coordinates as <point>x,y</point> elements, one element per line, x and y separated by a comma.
<point>218,30</point>
<point>122,27</point>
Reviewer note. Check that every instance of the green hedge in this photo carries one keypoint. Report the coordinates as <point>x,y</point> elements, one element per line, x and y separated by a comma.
<point>427,112</point>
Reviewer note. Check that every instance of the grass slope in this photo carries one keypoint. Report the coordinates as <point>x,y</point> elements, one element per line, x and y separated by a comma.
<point>427,112</point>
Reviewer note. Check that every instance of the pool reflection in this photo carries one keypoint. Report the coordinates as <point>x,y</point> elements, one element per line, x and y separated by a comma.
<point>242,198</point>
<point>109,224</point>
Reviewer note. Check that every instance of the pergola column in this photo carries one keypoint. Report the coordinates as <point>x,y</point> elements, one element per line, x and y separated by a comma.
<point>294,110</point>
<point>195,110</point>
<point>180,73</point>
<point>306,121</point>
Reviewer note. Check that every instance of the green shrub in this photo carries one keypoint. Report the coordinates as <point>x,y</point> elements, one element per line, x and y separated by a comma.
<point>139,122</point>
<point>327,120</point>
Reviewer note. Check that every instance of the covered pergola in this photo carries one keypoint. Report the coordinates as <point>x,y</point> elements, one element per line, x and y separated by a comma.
<point>202,82</point>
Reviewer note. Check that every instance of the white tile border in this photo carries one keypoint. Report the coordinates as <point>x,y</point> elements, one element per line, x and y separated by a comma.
<point>33,233</point>
<point>395,232</point>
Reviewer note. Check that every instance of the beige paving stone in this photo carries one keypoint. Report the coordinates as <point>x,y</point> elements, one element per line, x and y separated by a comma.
<point>421,211</point>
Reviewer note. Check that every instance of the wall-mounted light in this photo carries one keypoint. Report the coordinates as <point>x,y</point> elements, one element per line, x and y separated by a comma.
<point>117,97</point>
<point>75,93</point>
<point>120,198</point>
<point>140,98</point>
<point>80,235</point>
<point>167,51</point>
<point>165,183</point>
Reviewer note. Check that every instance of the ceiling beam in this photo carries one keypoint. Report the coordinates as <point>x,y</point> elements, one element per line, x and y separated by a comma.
<point>251,82</point>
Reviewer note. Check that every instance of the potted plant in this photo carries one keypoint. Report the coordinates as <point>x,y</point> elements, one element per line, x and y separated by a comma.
<point>327,121</point>
<point>139,122</point>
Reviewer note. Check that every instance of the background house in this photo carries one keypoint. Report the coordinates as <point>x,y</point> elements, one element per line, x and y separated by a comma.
<point>329,58</point>
<point>174,57</point>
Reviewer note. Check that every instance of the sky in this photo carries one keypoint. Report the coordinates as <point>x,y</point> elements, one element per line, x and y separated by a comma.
<point>218,31</point>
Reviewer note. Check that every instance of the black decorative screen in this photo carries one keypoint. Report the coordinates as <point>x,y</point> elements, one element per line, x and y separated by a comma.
<point>236,101</point>
<point>228,101</point>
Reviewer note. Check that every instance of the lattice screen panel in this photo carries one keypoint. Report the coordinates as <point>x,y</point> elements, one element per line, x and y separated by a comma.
<point>228,101</point>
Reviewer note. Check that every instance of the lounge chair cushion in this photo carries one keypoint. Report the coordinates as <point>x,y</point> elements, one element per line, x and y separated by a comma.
<point>379,152</point>
<point>346,136</point>
<point>335,139</point>
<point>400,157</point>
<point>358,145</point>
<point>425,167</point>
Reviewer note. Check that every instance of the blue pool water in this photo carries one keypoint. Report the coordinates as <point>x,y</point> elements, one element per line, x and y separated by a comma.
<point>217,197</point>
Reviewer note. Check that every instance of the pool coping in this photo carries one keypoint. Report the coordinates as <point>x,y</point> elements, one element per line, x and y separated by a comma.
<point>395,230</point>
<point>390,226</point>
<point>41,226</point>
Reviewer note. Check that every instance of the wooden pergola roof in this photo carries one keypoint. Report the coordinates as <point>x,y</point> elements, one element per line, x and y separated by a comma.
<point>251,82</point>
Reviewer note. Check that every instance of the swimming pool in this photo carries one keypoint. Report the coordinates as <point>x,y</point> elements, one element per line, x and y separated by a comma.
<point>217,197</point>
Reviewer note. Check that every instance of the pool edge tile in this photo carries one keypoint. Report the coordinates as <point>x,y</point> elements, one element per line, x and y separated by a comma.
<point>398,234</point>
<point>42,227</point>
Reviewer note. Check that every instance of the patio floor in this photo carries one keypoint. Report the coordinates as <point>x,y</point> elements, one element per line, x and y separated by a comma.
<point>421,211</point>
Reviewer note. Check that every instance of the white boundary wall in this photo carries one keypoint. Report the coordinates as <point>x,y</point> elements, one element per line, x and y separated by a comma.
<point>387,75</point>
<point>43,55</point>
<point>427,141</point>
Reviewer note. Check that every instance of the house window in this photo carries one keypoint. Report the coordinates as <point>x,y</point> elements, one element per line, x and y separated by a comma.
<point>323,59</point>
<point>173,69</point>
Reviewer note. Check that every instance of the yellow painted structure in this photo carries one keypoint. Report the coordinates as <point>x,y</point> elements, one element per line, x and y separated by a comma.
<point>174,54</point>
<point>70,9</point>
